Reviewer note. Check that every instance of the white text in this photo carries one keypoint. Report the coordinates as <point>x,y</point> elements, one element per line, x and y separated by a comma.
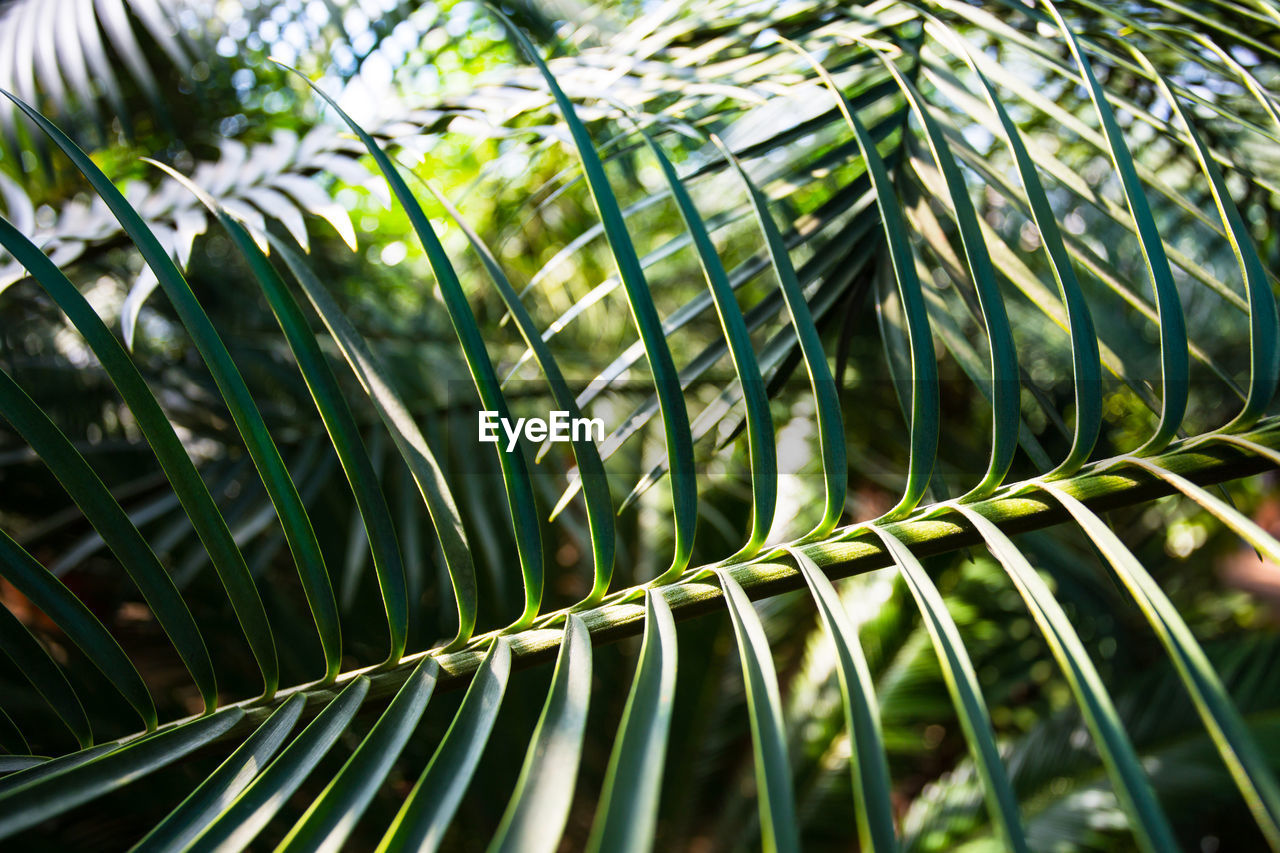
<point>558,427</point>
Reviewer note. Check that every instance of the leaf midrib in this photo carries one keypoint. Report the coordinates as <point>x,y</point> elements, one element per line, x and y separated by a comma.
<point>842,554</point>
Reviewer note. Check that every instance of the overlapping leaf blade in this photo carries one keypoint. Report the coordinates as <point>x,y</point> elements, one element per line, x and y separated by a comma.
<point>26,653</point>
<point>923,392</point>
<point>426,812</point>
<point>329,821</point>
<point>40,798</point>
<point>675,417</point>
<point>182,824</point>
<point>231,568</point>
<point>1236,744</point>
<point>244,818</point>
<point>627,811</point>
<point>515,474</point>
<point>591,471</point>
<point>1173,331</point>
<point>342,429</point>
<point>779,829</point>
<point>539,807</point>
<point>409,440</point>
<point>1147,819</point>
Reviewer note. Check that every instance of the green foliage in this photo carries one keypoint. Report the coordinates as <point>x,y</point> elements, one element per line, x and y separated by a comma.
<point>974,580</point>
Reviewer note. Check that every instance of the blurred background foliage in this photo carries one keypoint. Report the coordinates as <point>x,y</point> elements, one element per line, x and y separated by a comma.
<point>193,88</point>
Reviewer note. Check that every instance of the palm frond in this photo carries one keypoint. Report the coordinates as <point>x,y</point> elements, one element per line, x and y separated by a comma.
<point>866,131</point>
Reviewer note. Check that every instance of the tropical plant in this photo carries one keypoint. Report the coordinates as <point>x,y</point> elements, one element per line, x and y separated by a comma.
<point>1037,236</point>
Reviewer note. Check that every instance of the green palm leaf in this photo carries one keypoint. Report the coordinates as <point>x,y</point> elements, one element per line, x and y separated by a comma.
<point>955,169</point>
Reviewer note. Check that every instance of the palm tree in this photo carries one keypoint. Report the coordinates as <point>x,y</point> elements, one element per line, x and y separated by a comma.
<point>1023,254</point>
